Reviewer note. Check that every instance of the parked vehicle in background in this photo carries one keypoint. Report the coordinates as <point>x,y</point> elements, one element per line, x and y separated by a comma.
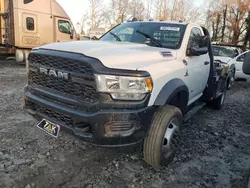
<point>238,61</point>
<point>96,32</point>
<point>25,24</point>
<point>134,84</point>
<point>83,37</point>
<point>226,54</point>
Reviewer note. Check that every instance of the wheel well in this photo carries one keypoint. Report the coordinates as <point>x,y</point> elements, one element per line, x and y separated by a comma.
<point>180,101</point>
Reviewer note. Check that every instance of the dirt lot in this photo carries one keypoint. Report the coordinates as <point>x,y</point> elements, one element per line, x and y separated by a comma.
<point>214,150</point>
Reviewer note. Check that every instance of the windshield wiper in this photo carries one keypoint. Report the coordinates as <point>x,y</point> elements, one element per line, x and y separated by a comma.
<point>152,40</point>
<point>116,37</point>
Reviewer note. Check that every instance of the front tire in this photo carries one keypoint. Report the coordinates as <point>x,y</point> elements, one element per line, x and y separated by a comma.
<point>160,145</point>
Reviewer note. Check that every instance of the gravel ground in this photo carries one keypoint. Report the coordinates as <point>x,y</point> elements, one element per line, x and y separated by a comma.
<point>214,149</point>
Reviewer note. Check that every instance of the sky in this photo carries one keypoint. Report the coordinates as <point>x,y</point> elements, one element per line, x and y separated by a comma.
<point>76,8</point>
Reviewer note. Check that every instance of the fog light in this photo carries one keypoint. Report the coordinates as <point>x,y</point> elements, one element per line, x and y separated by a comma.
<point>120,128</point>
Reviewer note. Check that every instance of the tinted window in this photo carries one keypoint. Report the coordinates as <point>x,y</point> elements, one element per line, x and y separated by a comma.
<point>193,39</point>
<point>169,35</point>
<point>30,24</point>
<point>223,51</point>
<point>241,58</point>
<point>64,26</point>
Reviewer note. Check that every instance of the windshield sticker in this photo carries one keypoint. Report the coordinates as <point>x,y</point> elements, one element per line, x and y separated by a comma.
<point>164,28</point>
<point>166,54</point>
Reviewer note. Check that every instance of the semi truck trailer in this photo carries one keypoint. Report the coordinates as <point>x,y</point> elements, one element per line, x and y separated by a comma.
<point>25,24</point>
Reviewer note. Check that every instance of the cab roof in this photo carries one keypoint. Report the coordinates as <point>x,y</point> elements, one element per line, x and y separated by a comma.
<point>170,22</point>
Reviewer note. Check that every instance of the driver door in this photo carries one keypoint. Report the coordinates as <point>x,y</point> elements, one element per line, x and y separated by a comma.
<point>198,67</point>
<point>63,30</point>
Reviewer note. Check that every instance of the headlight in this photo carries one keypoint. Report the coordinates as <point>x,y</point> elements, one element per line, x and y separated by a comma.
<point>124,87</point>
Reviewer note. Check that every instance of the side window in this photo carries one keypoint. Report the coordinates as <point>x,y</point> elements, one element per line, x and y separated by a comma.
<point>64,27</point>
<point>30,25</point>
<point>193,41</point>
<point>241,58</point>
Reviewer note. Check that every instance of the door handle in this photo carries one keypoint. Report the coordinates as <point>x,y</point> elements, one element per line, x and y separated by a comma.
<point>206,63</point>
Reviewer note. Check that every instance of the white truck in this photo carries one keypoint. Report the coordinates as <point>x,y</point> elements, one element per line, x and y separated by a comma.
<point>135,84</point>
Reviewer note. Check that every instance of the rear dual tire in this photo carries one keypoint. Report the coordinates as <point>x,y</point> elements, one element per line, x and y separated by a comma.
<point>160,144</point>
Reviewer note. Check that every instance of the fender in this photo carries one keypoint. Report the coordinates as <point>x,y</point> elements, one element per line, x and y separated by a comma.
<point>170,90</point>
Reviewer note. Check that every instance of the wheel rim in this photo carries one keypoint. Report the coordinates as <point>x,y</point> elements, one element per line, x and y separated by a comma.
<point>231,82</point>
<point>222,98</point>
<point>169,142</point>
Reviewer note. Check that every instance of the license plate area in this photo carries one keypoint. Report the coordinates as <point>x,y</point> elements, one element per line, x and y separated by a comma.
<point>50,128</point>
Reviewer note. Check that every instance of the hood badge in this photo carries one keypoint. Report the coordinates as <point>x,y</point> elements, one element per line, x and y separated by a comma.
<point>166,54</point>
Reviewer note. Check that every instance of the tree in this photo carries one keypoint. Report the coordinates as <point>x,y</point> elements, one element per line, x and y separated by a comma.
<point>82,23</point>
<point>247,35</point>
<point>137,9</point>
<point>237,20</point>
<point>184,10</point>
<point>161,9</point>
<point>148,11</point>
<point>96,12</point>
<point>120,10</point>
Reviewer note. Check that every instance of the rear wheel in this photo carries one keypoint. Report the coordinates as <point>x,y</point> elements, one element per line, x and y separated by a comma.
<point>160,144</point>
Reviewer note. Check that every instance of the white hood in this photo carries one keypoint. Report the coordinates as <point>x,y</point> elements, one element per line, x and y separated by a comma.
<point>120,55</point>
<point>223,59</point>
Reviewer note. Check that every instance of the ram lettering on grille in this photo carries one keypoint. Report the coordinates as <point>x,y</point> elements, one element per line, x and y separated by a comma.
<point>57,74</point>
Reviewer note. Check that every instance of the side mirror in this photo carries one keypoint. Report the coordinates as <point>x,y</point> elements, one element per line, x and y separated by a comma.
<point>203,41</point>
<point>193,51</point>
<point>72,31</point>
<point>246,64</point>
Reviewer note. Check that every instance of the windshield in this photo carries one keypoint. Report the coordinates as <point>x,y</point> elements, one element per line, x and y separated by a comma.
<point>167,34</point>
<point>223,52</point>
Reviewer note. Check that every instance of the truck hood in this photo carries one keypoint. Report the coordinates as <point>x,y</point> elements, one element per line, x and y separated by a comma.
<point>223,59</point>
<point>119,55</point>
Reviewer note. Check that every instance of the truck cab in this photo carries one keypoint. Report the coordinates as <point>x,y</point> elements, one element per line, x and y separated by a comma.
<point>134,84</point>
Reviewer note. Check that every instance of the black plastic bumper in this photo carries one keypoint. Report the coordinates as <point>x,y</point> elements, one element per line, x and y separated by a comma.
<point>106,127</point>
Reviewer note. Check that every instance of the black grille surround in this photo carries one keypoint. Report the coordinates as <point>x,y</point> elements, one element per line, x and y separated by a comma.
<point>60,63</point>
<point>83,89</point>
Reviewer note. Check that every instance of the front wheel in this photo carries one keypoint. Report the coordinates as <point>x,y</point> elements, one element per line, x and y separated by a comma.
<point>160,143</point>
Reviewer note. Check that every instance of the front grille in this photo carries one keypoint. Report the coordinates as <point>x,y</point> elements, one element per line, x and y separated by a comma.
<point>52,115</point>
<point>85,90</point>
<point>86,93</point>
